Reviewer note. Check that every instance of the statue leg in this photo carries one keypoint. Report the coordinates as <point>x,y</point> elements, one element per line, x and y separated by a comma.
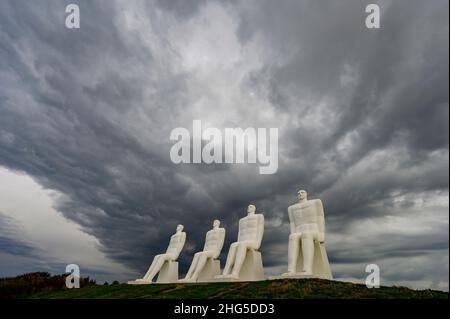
<point>152,266</point>
<point>239,260</point>
<point>193,266</point>
<point>294,241</point>
<point>230,259</point>
<point>155,267</point>
<point>201,263</point>
<point>308,253</point>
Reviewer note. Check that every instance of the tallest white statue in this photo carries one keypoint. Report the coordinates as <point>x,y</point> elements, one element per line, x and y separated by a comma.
<point>307,256</point>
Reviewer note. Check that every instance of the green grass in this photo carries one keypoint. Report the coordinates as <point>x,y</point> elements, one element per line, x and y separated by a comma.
<point>284,288</point>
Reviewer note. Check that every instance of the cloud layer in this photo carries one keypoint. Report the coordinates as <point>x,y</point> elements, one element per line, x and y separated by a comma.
<point>362,117</point>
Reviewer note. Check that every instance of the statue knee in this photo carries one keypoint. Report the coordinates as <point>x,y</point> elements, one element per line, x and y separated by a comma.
<point>243,247</point>
<point>171,257</point>
<point>234,245</point>
<point>307,236</point>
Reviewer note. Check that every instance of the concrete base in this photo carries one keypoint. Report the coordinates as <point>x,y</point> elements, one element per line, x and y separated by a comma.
<point>294,276</point>
<point>321,266</point>
<point>209,271</point>
<point>168,273</point>
<point>139,282</point>
<point>252,269</point>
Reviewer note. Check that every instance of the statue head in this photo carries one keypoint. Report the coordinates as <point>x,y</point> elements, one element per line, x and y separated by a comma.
<point>302,195</point>
<point>216,223</point>
<point>251,209</point>
<point>180,228</point>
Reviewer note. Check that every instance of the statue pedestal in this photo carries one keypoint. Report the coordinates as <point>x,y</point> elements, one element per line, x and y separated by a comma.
<point>321,266</point>
<point>209,271</point>
<point>293,276</point>
<point>252,269</point>
<point>168,273</point>
<point>139,282</point>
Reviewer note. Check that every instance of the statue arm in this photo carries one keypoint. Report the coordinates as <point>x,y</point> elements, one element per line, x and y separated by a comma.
<point>239,232</point>
<point>181,244</point>
<point>206,241</point>
<point>291,220</point>
<point>321,221</point>
<point>169,247</point>
<point>220,243</point>
<point>260,231</point>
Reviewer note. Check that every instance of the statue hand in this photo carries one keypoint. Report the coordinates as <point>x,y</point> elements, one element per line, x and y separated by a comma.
<point>321,238</point>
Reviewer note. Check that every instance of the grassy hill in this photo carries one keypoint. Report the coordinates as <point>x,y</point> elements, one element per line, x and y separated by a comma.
<point>284,288</point>
<point>28,284</point>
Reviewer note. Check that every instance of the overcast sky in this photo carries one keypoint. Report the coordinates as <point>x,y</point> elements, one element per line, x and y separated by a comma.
<point>86,115</point>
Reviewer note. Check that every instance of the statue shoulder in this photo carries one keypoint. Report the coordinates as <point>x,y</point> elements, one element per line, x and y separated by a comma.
<point>219,230</point>
<point>319,205</point>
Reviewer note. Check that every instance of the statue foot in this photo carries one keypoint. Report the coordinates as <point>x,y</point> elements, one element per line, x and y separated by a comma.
<point>187,280</point>
<point>228,276</point>
<point>142,281</point>
<point>306,273</point>
<point>289,273</point>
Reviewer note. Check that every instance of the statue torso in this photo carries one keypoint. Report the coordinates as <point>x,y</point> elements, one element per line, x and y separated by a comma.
<point>213,239</point>
<point>248,228</point>
<point>175,242</point>
<point>304,215</point>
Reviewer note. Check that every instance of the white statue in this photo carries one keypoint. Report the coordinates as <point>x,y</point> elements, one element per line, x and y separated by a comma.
<point>307,255</point>
<point>205,264</point>
<point>244,261</point>
<point>166,263</point>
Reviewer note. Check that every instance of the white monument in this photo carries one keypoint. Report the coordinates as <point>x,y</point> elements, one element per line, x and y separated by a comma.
<point>307,257</point>
<point>244,261</point>
<point>205,264</point>
<point>166,263</point>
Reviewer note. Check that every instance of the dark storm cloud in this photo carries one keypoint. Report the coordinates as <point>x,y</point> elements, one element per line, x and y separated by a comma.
<point>363,117</point>
<point>9,246</point>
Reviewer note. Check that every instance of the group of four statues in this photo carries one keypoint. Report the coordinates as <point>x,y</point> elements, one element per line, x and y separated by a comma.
<point>307,256</point>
